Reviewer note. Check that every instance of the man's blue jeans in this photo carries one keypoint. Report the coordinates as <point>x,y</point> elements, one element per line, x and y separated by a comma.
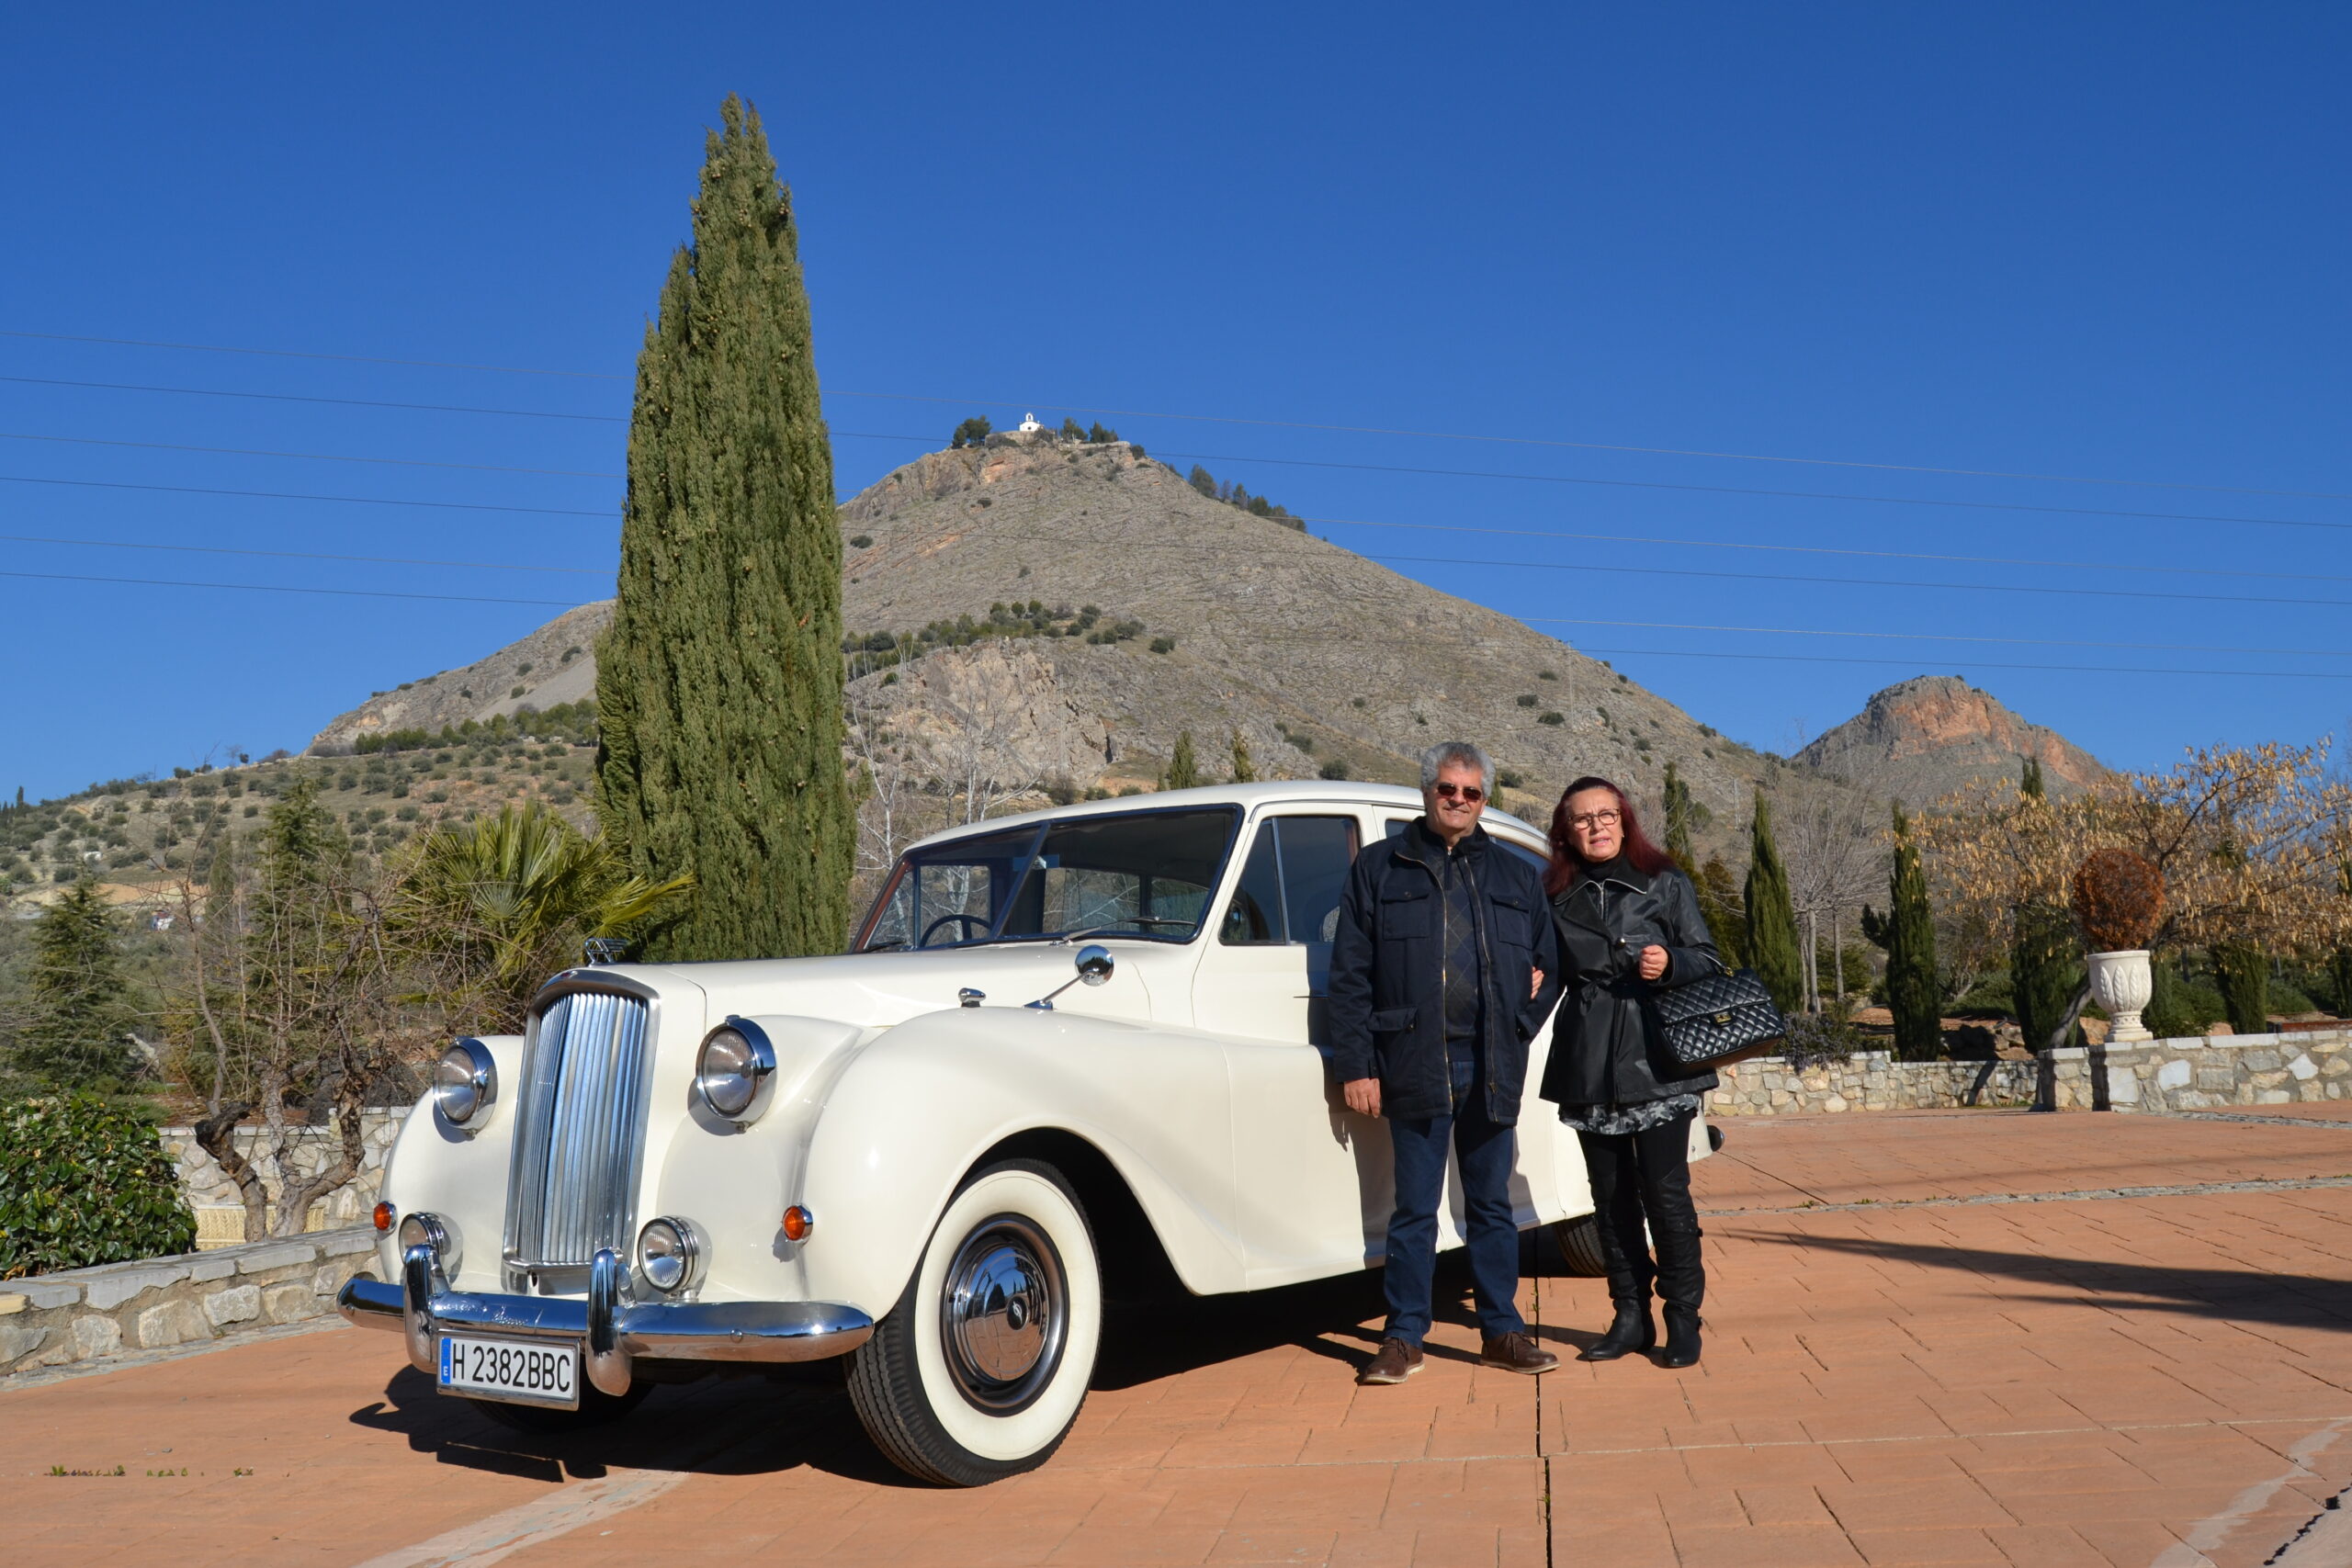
<point>1484,1153</point>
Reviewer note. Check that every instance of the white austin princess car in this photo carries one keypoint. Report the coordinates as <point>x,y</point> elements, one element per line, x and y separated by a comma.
<point>1068,1047</point>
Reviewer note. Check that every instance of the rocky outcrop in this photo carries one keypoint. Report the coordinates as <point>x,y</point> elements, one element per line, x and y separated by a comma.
<point>1928,738</point>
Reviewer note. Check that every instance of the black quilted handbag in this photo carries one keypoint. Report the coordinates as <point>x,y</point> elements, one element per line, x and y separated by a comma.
<point>1718,1020</point>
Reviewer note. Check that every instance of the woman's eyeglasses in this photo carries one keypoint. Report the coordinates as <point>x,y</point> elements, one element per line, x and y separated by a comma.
<point>1593,820</point>
<point>1470,793</point>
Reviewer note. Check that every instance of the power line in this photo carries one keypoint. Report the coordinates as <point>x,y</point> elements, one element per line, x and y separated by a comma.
<point>1973,664</point>
<point>1705,490</point>
<point>298,555</point>
<point>311,398</point>
<point>1867,582</point>
<point>297,354</point>
<point>278,588</point>
<point>286,495</point>
<point>1935,637</point>
<point>1832,550</point>
<point>308,457</point>
<point>1238,420</point>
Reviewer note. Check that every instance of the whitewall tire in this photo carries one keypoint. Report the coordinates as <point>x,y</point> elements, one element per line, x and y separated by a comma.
<point>979,1369</point>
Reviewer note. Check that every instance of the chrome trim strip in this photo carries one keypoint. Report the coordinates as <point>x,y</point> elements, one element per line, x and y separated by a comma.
<point>705,1331</point>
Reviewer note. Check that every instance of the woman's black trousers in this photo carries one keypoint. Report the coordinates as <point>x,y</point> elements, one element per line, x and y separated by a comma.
<point>1646,1174</point>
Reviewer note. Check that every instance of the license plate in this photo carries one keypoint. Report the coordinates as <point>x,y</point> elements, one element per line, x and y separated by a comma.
<point>517,1371</point>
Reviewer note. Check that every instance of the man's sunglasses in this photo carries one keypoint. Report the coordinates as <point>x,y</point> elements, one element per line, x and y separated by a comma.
<point>1470,793</point>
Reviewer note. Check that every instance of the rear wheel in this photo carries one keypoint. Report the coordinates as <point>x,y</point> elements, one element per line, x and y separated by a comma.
<point>979,1369</point>
<point>1578,1241</point>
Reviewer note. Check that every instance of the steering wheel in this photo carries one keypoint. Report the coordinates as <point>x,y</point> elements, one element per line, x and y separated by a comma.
<point>969,920</point>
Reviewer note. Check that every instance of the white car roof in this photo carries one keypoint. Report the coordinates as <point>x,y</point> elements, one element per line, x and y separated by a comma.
<point>1321,791</point>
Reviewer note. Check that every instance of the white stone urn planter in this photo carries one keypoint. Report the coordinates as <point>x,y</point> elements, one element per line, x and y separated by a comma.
<point>2123,982</point>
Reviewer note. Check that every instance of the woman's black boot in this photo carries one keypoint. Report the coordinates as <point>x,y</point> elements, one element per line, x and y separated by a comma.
<point>1682,1336</point>
<point>1633,1330</point>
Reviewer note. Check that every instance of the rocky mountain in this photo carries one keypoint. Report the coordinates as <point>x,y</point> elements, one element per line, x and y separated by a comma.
<point>1927,737</point>
<point>554,665</point>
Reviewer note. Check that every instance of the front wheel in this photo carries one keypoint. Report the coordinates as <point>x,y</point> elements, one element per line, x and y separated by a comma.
<point>1578,1241</point>
<point>979,1369</point>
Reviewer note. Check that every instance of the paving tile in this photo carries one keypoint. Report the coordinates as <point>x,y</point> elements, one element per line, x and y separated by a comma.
<point>1889,1549</point>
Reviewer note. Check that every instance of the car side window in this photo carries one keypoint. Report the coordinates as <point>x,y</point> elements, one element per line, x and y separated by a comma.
<point>1292,882</point>
<point>1396,827</point>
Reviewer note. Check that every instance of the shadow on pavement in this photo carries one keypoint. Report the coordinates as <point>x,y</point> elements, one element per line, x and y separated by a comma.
<point>2283,1300</point>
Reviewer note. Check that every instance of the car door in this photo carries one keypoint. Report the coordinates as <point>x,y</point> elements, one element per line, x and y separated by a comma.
<point>1314,1178</point>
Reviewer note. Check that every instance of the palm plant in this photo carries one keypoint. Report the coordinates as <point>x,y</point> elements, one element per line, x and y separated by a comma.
<point>497,904</point>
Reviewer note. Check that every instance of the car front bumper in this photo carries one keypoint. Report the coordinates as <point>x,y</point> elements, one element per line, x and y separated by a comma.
<point>610,1332</point>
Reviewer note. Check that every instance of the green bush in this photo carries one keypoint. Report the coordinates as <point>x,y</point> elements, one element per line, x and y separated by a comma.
<point>83,1182</point>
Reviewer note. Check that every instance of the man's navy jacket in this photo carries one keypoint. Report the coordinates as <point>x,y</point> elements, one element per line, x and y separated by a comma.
<point>1388,989</point>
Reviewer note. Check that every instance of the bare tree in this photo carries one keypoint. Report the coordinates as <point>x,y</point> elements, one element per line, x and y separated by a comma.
<point>1836,857</point>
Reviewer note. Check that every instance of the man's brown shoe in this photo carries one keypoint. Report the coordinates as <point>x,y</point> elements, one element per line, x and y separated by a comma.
<point>1395,1362</point>
<point>1516,1353</point>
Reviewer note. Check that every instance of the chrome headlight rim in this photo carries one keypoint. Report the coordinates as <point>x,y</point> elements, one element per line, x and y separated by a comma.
<point>465,1083</point>
<point>435,1232</point>
<point>740,1093</point>
<point>674,1263</point>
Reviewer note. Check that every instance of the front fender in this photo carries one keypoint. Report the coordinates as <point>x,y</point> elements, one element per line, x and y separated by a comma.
<point>917,1108</point>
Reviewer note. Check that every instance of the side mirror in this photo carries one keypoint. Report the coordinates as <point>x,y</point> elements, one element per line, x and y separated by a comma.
<point>1094,967</point>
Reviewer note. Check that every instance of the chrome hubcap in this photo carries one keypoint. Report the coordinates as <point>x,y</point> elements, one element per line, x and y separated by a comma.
<point>1003,1310</point>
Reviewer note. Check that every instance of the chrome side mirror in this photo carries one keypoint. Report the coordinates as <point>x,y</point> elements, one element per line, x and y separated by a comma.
<point>1095,965</point>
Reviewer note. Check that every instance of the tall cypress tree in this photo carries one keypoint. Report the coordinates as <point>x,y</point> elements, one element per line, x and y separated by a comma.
<point>1244,771</point>
<point>1908,935</point>
<point>718,688</point>
<point>2042,970</point>
<point>1772,948</point>
<point>1183,767</point>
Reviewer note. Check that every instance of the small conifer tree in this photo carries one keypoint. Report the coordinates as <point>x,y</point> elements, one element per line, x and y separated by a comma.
<point>1244,771</point>
<point>2042,971</point>
<point>1773,951</point>
<point>76,1037</point>
<point>1908,935</point>
<point>1184,768</point>
<point>2244,977</point>
<point>1678,821</point>
<point>1719,905</point>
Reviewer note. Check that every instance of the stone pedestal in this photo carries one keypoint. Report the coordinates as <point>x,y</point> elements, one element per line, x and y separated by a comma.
<point>2123,982</point>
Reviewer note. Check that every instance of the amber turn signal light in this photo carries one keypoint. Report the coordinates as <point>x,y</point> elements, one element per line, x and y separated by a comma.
<point>385,1215</point>
<point>798,1223</point>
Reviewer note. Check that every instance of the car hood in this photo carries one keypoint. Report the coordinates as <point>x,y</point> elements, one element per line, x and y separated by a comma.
<point>878,991</point>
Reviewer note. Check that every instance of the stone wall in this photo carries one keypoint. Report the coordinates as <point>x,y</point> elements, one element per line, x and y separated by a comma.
<point>219,1213</point>
<point>2209,1073</point>
<point>2200,1073</point>
<point>86,1315</point>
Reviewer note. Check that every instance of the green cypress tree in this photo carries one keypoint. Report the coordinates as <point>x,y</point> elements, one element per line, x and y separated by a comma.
<point>2243,974</point>
<point>719,690</point>
<point>2043,970</point>
<point>1908,935</point>
<point>1719,905</point>
<point>1184,768</point>
<point>1678,821</point>
<point>1772,948</point>
<point>79,1014</point>
<point>1244,771</point>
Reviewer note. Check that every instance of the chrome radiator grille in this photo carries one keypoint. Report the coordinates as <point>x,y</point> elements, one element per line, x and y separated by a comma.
<point>582,1120</point>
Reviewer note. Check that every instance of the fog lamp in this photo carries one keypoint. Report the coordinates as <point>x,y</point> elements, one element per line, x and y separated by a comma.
<point>465,1081</point>
<point>668,1254</point>
<point>432,1232</point>
<point>735,1070</point>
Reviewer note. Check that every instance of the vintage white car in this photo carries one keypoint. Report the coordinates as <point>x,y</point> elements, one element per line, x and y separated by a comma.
<point>1070,1053</point>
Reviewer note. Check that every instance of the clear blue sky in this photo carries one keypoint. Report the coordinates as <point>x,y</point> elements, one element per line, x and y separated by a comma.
<point>2089,240</point>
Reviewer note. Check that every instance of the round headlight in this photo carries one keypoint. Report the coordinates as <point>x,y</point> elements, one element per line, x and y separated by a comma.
<point>433,1232</point>
<point>734,1070</point>
<point>465,1081</point>
<point>668,1255</point>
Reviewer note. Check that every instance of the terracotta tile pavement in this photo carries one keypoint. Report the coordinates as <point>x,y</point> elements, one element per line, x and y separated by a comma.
<point>2158,1378</point>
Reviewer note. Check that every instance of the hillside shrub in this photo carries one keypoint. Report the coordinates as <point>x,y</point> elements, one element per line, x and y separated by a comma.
<point>83,1182</point>
<point>1553,718</point>
<point>1335,768</point>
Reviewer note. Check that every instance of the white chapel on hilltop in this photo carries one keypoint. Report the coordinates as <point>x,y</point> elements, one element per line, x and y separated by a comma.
<point>1029,426</point>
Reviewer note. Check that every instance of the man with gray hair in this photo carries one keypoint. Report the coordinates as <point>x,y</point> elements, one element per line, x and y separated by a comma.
<point>1442,968</point>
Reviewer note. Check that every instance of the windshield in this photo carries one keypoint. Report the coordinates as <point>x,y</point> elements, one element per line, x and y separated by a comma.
<point>1149,874</point>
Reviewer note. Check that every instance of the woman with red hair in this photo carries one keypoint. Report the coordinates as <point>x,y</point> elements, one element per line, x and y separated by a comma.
<point>1629,924</point>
